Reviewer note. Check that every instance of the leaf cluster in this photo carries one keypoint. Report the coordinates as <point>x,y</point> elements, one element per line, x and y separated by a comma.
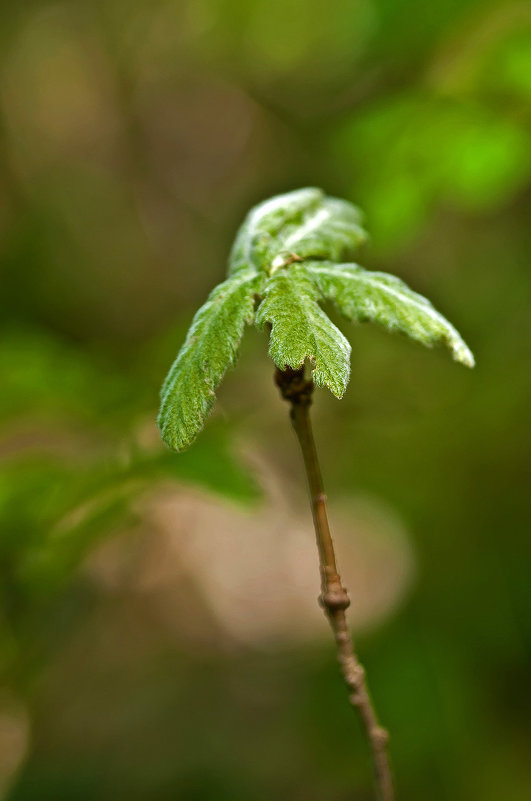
<point>292,252</point>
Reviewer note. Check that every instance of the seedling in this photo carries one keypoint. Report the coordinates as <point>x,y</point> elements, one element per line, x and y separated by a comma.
<point>291,253</point>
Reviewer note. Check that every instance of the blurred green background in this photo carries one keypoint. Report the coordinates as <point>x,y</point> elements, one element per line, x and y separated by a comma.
<point>149,647</point>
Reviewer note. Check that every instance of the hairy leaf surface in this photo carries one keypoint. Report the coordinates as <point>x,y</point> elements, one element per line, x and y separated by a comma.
<point>211,346</point>
<point>298,225</point>
<point>256,242</point>
<point>330,231</point>
<point>301,330</point>
<point>363,295</point>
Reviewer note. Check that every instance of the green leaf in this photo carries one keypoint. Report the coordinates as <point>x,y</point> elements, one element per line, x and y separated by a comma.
<point>330,231</point>
<point>211,346</point>
<point>257,237</point>
<point>299,225</point>
<point>301,330</point>
<point>363,295</point>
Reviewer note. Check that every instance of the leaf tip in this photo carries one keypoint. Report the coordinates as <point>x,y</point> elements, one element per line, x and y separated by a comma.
<point>462,354</point>
<point>337,384</point>
<point>175,436</point>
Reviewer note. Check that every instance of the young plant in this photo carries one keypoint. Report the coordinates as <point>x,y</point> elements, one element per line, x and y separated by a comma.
<point>291,253</point>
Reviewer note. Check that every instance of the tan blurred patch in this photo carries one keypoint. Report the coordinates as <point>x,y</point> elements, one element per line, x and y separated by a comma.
<point>68,97</point>
<point>254,570</point>
<point>14,740</point>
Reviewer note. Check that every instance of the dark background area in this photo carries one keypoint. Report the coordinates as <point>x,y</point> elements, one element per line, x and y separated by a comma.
<point>149,647</point>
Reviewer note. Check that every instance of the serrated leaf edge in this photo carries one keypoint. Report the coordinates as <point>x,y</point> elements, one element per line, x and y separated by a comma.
<point>454,341</point>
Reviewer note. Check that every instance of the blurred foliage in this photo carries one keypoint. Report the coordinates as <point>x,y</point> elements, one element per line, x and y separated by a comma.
<point>133,137</point>
<point>480,162</point>
<point>74,463</point>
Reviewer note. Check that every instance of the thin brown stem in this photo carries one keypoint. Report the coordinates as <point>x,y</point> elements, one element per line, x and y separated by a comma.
<point>334,598</point>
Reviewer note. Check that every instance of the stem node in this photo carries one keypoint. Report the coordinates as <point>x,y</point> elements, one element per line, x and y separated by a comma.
<point>334,599</point>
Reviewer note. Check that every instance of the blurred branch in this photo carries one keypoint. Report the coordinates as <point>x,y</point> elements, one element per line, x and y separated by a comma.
<point>334,597</point>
